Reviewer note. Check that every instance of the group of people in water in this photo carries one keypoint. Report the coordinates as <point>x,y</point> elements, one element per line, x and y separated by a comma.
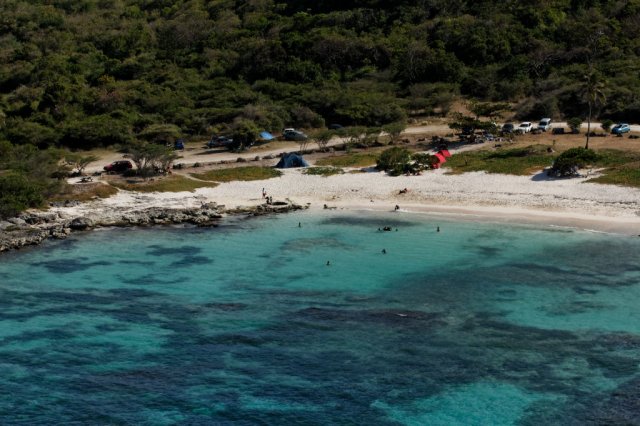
<point>383,229</point>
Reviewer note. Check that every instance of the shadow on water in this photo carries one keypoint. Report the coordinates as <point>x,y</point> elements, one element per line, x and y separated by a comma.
<point>368,222</point>
<point>70,265</point>
<point>160,250</point>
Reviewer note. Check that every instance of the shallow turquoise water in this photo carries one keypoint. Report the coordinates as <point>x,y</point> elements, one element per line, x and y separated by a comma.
<point>477,324</point>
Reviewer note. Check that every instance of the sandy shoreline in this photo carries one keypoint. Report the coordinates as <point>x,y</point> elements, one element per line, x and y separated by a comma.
<point>471,196</point>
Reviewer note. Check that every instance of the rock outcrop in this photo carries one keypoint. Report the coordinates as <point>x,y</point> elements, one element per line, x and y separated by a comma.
<point>32,228</point>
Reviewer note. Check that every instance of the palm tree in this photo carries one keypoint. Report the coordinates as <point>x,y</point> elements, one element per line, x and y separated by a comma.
<point>593,88</point>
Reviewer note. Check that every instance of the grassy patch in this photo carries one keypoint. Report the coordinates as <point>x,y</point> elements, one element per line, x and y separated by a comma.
<point>165,184</point>
<point>516,161</point>
<point>627,175</point>
<point>239,173</point>
<point>84,192</point>
<point>349,160</point>
<point>323,171</point>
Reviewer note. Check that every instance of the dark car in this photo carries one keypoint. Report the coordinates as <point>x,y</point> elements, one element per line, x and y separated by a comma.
<point>293,135</point>
<point>179,144</point>
<point>219,141</point>
<point>335,126</point>
<point>118,166</point>
<point>508,128</point>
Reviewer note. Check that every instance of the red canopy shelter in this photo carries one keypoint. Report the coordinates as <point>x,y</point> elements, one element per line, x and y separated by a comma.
<point>445,153</point>
<point>440,157</point>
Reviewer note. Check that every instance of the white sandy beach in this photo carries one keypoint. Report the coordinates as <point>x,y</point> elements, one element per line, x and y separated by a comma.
<point>471,196</point>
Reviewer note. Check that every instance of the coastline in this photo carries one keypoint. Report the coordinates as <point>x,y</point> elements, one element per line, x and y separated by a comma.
<point>572,203</point>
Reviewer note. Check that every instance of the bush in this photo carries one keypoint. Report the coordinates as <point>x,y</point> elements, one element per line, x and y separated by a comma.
<point>394,160</point>
<point>568,163</point>
<point>606,125</point>
<point>574,124</point>
<point>18,193</point>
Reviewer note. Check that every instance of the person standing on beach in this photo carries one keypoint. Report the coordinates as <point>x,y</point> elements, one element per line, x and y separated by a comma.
<point>264,193</point>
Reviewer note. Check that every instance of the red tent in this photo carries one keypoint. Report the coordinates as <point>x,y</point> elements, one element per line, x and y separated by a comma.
<point>440,157</point>
<point>445,152</point>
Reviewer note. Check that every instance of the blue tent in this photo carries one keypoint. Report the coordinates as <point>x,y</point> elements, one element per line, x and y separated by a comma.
<point>266,136</point>
<point>291,160</point>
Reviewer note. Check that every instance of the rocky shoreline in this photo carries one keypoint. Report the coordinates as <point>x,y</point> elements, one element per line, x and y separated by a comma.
<point>32,228</point>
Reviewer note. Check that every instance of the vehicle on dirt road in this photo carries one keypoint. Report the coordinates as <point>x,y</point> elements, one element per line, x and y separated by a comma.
<point>118,166</point>
<point>620,128</point>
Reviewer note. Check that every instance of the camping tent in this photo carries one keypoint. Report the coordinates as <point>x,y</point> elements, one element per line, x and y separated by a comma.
<point>291,160</point>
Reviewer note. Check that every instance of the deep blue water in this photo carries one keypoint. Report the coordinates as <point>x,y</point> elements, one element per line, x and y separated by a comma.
<point>247,324</point>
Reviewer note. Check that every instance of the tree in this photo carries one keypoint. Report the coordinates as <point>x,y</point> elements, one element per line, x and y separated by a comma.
<point>161,133</point>
<point>394,130</point>
<point>593,89</point>
<point>371,135</point>
<point>606,125</point>
<point>568,163</point>
<point>303,142</point>
<point>394,160</point>
<point>322,138</point>
<point>150,158</point>
<point>488,109</point>
<point>80,162</point>
<point>244,134</point>
<point>574,124</point>
<point>353,136</point>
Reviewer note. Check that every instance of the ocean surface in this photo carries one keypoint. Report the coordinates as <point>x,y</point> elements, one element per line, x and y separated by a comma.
<point>478,324</point>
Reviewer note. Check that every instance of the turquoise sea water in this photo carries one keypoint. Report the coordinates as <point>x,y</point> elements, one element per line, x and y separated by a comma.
<point>479,324</point>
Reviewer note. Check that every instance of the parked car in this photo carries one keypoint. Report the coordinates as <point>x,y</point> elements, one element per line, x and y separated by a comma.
<point>508,128</point>
<point>219,141</point>
<point>620,128</point>
<point>118,166</point>
<point>525,127</point>
<point>544,124</point>
<point>336,126</point>
<point>179,144</point>
<point>293,135</point>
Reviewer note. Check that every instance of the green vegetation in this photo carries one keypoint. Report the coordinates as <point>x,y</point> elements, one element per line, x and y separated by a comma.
<point>627,175</point>
<point>394,160</point>
<point>621,168</point>
<point>323,171</point>
<point>349,160</point>
<point>397,161</point>
<point>515,161</point>
<point>85,192</point>
<point>28,177</point>
<point>238,173</point>
<point>571,160</point>
<point>164,184</point>
<point>90,73</point>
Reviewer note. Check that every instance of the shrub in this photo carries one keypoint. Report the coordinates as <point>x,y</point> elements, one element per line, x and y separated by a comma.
<point>574,124</point>
<point>394,160</point>
<point>571,160</point>
<point>18,193</point>
<point>606,125</point>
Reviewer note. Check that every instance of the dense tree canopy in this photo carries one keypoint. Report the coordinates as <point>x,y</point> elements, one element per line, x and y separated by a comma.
<point>86,73</point>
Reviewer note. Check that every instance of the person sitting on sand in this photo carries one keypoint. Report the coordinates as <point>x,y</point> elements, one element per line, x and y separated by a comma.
<point>397,207</point>
<point>404,191</point>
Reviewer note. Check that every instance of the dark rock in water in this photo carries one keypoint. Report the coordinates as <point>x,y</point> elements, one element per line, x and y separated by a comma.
<point>620,407</point>
<point>81,223</point>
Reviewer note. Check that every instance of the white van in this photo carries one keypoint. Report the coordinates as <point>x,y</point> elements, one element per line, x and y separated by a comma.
<point>544,124</point>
